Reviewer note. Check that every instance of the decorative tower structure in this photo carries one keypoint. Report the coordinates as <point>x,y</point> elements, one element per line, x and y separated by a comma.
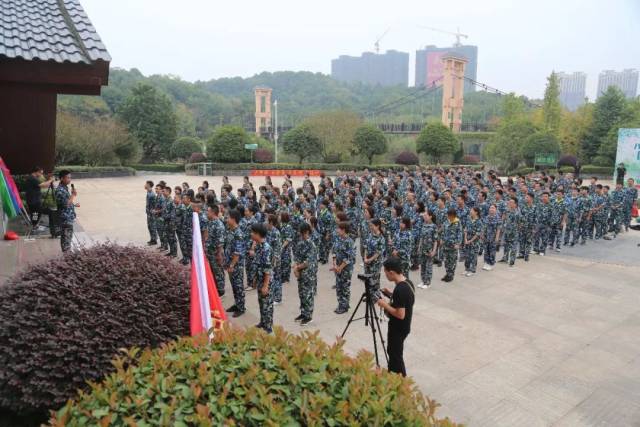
<point>452,91</point>
<point>263,109</point>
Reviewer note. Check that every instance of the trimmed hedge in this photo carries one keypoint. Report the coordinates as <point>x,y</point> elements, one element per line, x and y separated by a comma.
<point>90,169</point>
<point>316,166</point>
<point>249,378</point>
<point>585,170</point>
<point>63,321</point>
<point>160,167</point>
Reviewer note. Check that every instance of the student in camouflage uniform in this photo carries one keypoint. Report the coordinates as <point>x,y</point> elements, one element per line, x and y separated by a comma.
<point>527,226</point>
<point>451,239</point>
<point>571,228</point>
<point>402,245</point>
<point>374,251</point>
<point>631,195</point>
<point>275,241</point>
<point>234,253</point>
<point>215,246</point>
<point>472,239</point>
<point>326,228</point>
<point>149,208</point>
<point>598,212</point>
<point>288,236</point>
<point>617,209</point>
<point>263,275</point>
<point>65,202</point>
<point>158,209</point>
<point>245,227</point>
<point>583,212</point>
<point>186,229</point>
<point>512,222</point>
<point>343,259</point>
<point>558,219</point>
<point>543,224</point>
<point>169,219</point>
<point>305,269</point>
<point>179,208</point>
<point>427,248</point>
<point>491,237</point>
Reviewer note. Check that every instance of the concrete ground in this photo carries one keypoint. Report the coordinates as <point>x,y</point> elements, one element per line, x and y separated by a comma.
<point>555,341</point>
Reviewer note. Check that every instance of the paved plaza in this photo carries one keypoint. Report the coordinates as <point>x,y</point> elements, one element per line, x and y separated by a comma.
<point>555,341</point>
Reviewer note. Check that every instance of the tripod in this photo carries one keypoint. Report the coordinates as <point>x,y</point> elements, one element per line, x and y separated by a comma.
<point>371,319</point>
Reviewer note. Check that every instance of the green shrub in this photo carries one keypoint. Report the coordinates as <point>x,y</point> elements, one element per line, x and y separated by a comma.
<point>250,378</point>
<point>603,161</point>
<point>63,321</point>
<point>310,166</point>
<point>160,167</point>
<point>597,170</point>
<point>184,147</point>
<point>227,145</point>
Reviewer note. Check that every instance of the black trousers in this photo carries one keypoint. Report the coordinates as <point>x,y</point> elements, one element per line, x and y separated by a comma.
<point>395,348</point>
<point>37,210</point>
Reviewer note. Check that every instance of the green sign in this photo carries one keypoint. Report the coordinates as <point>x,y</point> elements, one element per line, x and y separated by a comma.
<point>250,146</point>
<point>546,159</point>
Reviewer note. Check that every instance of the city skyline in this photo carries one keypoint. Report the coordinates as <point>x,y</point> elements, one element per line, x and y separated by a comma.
<point>205,41</point>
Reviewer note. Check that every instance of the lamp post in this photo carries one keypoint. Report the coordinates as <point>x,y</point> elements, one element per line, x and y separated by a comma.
<point>275,136</point>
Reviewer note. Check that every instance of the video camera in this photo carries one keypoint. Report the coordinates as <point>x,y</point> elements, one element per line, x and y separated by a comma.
<point>372,289</point>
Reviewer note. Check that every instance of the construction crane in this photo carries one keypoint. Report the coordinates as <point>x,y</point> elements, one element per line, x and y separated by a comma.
<point>377,43</point>
<point>458,34</point>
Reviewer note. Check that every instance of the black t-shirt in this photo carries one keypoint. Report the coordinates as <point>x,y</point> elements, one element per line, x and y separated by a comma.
<point>32,190</point>
<point>403,297</point>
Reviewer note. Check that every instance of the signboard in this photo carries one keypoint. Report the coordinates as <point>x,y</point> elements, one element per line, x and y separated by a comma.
<point>546,159</point>
<point>283,172</point>
<point>629,153</point>
<point>250,146</point>
<point>435,67</point>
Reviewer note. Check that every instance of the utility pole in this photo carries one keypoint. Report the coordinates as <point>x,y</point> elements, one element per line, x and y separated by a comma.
<point>275,136</point>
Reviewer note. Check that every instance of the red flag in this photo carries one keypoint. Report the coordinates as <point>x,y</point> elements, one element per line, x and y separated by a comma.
<point>206,308</point>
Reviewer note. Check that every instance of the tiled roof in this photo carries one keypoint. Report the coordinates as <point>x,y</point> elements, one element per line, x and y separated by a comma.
<point>49,30</point>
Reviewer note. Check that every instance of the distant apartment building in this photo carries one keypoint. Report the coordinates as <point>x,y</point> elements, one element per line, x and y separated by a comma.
<point>386,69</point>
<point>429,65</point>
<point>625,80</point>
<point>572,89</point>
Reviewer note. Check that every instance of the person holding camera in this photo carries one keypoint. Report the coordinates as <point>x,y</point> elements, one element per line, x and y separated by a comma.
<point>399,310</point>
<point>34,185</point>
<point>66,202</point>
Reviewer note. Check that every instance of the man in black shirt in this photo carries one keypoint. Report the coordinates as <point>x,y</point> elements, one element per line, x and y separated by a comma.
<point>400,311</point>
<point>33,189</point>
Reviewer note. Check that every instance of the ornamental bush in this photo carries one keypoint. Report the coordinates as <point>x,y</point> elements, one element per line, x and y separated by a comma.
<point>63,321</point>
<point>197,158</point>
<point>249,378</point>
<point>407,158</point>
<point>262,155</point>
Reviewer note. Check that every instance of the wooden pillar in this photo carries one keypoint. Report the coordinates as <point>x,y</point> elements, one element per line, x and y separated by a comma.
<point>27,127</point>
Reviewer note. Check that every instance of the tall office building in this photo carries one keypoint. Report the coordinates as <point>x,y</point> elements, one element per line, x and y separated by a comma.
<point>386,69</point>
<point>429,64</point>
<point>625,80</point>
<point>572,89</point>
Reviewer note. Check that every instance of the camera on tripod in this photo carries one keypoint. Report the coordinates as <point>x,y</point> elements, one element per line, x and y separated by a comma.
<point>372,289</point>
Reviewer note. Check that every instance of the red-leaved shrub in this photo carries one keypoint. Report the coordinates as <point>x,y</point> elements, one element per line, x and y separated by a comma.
<point>63,321</point>
<point>197,158</point>
<point>407,158</point>
<point>262,155</point>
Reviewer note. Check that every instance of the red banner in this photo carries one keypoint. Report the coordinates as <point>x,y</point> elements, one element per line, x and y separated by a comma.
<point>283,172</point>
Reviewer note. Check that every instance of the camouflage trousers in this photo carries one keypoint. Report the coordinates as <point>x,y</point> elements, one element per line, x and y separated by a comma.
<point>285,265</point>
<point>570,231</point>
<point>343,287</point>
<point>416,256</point>
<point>471,256</point>
<point>406,265</point>
<point>276,283</point>
<point>600,223</point>
<point>541,238</point>
<point>490,251</point>
<point>151,226</point>
<point>307,293</point>
<point>450,260</point>
<point>626,214</point>
<point>170,233</point>
<point>250,269</point>
<point>218,272</point>
<point>526,241</point>
<point>66,236</point>
<point>426,269</point>
<point>236,278</point>
<point>323,250</point>
<point>266,308</point>
<point>555,236</point>
<point>510,249</point>
<point>187,245</point>
<point>583,229</point>
<point>616,220</point>
<point>162,232</point>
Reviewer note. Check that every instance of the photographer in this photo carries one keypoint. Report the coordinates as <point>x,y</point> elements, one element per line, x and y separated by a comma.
<point>400,311</point>
<point>33,189</point>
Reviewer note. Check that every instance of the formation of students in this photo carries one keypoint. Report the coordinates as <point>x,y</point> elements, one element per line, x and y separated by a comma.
<point>426,217</point>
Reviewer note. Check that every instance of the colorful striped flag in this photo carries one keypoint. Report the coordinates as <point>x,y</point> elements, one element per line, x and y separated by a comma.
<point>206,308</point>
<point>9,194</point>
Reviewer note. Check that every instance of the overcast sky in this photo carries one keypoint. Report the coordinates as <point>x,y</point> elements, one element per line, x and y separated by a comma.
<point>519,42</point>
